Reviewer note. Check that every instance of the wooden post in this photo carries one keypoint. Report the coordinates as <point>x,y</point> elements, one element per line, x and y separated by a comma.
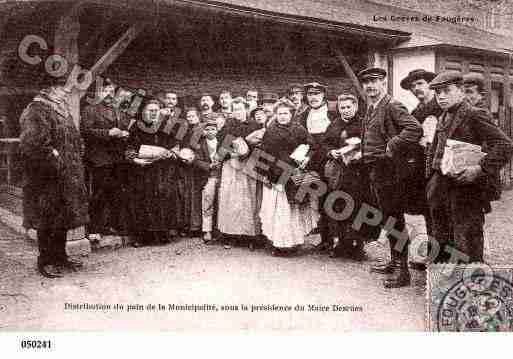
<point>117,49</point>
<point>349,71</point>
<point>66,45</point>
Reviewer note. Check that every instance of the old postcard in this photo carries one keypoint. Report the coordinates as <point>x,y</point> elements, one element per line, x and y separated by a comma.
<point>181,166</point>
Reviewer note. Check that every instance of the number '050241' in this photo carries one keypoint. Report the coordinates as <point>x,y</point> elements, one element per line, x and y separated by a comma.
<point>36,344</point>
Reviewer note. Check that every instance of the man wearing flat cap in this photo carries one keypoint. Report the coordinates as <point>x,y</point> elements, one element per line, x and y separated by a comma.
<point>474,88</point>
<point>269,99</point>
<point>316,120</point>
<point>389,132</point>
<point>457,202</point>
<point>426,112</point>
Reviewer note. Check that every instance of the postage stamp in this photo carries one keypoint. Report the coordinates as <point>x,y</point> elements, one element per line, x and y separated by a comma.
<point>469,298</point>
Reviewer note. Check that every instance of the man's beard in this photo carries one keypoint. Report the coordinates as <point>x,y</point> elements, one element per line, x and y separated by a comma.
<point>205,107</point>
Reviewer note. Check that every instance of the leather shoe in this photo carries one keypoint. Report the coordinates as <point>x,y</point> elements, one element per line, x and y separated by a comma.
<point>49,270</point>
<point>323,247</point>
<point>400,276</point>
<point>137,244</point>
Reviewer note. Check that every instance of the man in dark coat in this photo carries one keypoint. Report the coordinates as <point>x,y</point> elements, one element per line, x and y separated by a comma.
<point>458,201</point>
<point>474,88</point>
<point>388,132</point>
<point>316,119</point>
<point>104,128</point>
<point>426,112</point>
<point>54,191</point>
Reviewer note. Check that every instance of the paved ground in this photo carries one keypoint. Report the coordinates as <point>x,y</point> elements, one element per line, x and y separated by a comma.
<point>187,272</point>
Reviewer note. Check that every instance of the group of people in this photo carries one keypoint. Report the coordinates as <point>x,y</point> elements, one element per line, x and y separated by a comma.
<point>261,168</point>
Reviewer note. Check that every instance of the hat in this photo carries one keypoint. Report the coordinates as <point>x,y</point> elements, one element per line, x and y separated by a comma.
<point>417,75</point>
<point>315,87</point>
<point>474,79</point>
<point>269,97</point>
<point>372,72</point>
<point>446,78</point>
<point>295,88</point>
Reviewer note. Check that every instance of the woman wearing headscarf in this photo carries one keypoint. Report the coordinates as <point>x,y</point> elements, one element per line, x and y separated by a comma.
<point>349,176</point>
<point>237,191</point>
<point>284,221</point>
<point>190,177</point>
<point>153,184</point>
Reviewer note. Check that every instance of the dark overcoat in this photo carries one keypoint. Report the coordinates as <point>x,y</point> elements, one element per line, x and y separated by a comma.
<point>54,191</point>
<point>102,149</point>
<point>473,125</point>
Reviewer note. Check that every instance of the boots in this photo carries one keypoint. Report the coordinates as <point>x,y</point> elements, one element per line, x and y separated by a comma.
<point>400,275</point>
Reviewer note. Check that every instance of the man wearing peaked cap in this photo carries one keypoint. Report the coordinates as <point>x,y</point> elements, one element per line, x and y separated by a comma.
<point>474,87</point>
<point>372,72</point>
<point>315,87</point>
<point>458,201</point>
<point>389,134</point>
<point>269,99</point>
<point>426,112</point>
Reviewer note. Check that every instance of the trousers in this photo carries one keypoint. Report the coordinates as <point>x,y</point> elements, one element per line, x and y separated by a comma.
<point>52,245</point>
<point>388,192</point>
<point>457,215</point>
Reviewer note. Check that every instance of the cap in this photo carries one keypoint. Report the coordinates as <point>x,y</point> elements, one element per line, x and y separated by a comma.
<point>269,97</point>
<point>446,78</point>
<point>315,87</point>
<point>295,88</point>
<point>372,72</point>
<point>417,75</point>
<point>474,79</point>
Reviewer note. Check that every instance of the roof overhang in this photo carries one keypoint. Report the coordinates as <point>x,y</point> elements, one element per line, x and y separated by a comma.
<point>357,32</point>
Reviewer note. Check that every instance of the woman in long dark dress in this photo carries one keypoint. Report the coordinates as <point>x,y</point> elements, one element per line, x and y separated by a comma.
<point>153,183</point>
<point>191,179</point>
<point>353,180</point>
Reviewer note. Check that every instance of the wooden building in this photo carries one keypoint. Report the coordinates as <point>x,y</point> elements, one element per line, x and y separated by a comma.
<point>193,46</point>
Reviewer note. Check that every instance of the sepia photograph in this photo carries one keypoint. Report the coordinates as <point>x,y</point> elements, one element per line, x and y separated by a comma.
<point>197,166</point>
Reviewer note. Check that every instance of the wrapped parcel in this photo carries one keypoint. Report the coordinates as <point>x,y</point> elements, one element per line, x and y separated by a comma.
<point>459,155</point>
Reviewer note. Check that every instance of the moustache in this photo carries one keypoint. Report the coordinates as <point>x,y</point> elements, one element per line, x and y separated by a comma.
<point>205,106</point>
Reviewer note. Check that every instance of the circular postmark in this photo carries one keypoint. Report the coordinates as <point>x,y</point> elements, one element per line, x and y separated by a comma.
<point>477,303</point>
